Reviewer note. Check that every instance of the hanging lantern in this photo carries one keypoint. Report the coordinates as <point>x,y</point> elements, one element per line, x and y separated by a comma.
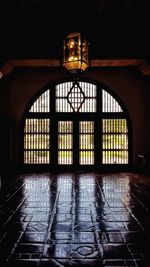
<point>76,53</point>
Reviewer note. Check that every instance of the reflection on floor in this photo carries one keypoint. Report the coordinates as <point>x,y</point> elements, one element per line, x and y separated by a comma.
<point>75,220</point>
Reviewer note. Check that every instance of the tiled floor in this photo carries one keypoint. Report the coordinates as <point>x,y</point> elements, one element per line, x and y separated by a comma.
<point>75,220</point>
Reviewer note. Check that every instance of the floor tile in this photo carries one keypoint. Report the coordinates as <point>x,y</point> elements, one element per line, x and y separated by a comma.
<point>85,219</point>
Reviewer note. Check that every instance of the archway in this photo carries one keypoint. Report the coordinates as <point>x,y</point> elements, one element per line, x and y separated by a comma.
<point>76,125</point>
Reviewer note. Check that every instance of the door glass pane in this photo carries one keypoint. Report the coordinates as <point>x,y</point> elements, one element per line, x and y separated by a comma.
<point>86,157</point>
<point>114,141</point>
<point>65,157</point>
<point>37,141</point>
<point>86,142</point>
<point>36,156</point>
<point>65,142</point>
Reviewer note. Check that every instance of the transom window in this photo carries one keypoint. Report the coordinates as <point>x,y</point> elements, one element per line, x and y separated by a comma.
<point>75,97</point>
<point>76,124</point>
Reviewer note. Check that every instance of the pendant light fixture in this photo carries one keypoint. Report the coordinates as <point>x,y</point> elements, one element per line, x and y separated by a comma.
<point>76,53</point>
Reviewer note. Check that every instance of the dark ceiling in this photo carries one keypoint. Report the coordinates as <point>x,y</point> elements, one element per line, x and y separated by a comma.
<point>36,28</point>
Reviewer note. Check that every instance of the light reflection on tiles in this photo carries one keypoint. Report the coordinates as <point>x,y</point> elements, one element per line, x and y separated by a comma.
<point>70,217</point>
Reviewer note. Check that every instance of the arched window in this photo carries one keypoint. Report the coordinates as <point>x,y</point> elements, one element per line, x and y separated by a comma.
<point>76,124</point>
